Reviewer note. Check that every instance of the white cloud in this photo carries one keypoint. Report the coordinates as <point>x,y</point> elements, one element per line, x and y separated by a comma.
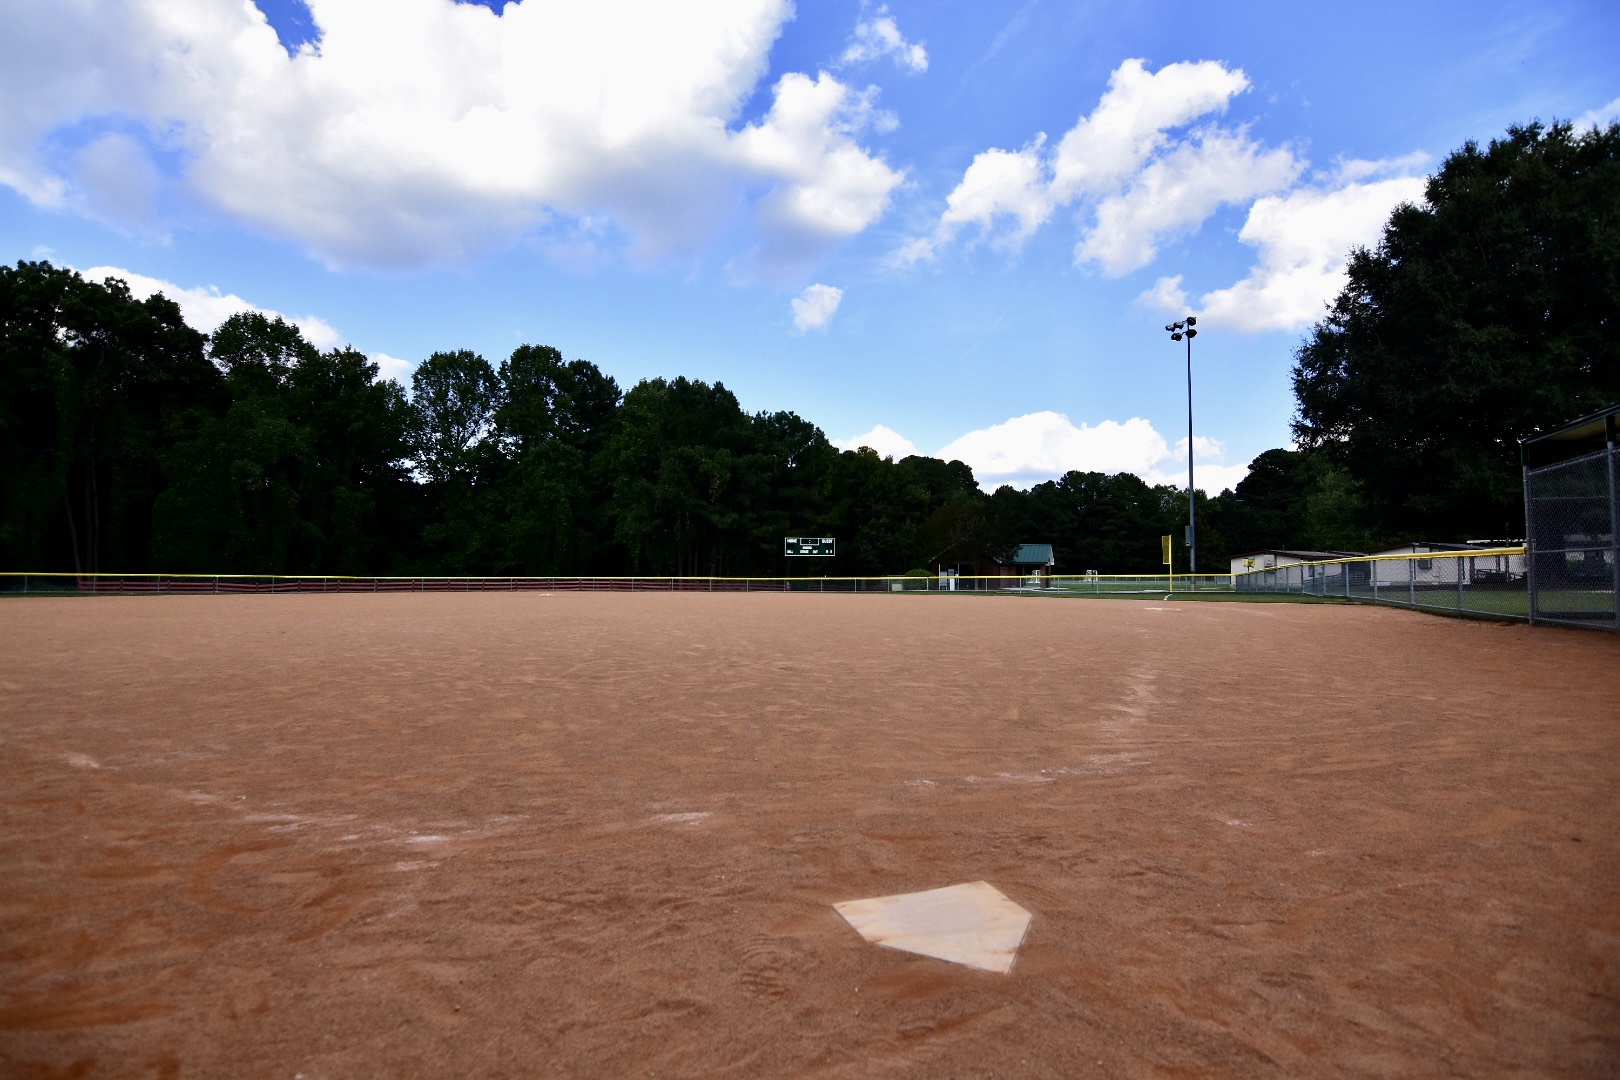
<point>830,188</point>
<point>1304,240</point>
<point>1209,475</point>
<point>425,131</point>
<point>1209,478</point>
<point>886,441</point>
<point>1137,183</point>
<point>204,307</point>
<point>1132,119</point>
<point>392,367</point>
<point>1599,117</point>
<point>1177,192</point>
<point>1043,446</point>
<point>880,36</point>
<point>1120,161</point>
<point>814,308</point>
<point>1167,296</point>
<point>998,185</point>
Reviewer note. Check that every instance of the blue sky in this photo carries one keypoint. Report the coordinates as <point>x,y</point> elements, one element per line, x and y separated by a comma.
<point>951,227</point>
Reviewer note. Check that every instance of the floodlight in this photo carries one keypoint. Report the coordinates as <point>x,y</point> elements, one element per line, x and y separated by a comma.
<point>1179,330</point>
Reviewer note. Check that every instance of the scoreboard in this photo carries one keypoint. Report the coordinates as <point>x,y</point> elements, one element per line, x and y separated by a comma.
<point>809,545</point>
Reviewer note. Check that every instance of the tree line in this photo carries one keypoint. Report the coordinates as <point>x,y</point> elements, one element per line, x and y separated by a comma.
<point>134,443</point>
<point>137,444</point>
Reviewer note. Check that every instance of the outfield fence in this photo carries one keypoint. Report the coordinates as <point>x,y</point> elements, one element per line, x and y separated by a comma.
<point>1490,582</point>
<point>148,584</point>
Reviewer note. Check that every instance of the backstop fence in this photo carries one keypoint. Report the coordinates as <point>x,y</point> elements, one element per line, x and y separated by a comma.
<point>1573,513</point>
<point>1485,582</point>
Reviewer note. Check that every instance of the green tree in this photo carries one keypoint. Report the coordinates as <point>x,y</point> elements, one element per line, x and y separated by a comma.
<point>787,477</point>
<point>879,511</point>
<point>553,419</point>
<point>969,532</point>
<point>454,398</point>
<point>672,462</point>
<point>284,480</point>
<point>99,388</point>
<point>355,471</point>
<point>1109,522</point>
<point>1488,313</point>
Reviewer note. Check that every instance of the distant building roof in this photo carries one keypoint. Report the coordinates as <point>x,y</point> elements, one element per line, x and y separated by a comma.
<point>1591,432</point>
<point>1442,545</point>
<point>1031,555</point>
<point>1302,556</point>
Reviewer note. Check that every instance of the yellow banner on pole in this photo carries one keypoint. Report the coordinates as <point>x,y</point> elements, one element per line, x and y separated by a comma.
<point>1165,543</point>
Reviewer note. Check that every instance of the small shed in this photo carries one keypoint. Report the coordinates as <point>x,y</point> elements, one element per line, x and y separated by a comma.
<point>1029,566</point>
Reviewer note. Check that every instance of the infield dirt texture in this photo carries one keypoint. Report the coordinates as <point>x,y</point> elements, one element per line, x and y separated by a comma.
<point>600,835</point>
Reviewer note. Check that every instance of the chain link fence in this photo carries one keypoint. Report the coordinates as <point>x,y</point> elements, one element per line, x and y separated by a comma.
<point>139,584</point>
<point>1573,514</point>
<point>1490,582</point>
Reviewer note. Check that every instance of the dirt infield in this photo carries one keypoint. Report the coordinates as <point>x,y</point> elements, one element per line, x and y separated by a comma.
<point>599,835</point>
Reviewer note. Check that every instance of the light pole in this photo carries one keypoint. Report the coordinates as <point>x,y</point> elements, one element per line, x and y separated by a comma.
<point>1178,330</point>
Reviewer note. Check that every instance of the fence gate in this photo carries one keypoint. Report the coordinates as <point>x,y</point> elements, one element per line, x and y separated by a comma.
<point>1572,522</point>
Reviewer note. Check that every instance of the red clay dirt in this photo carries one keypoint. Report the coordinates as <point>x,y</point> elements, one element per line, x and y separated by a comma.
<point>600,835</point>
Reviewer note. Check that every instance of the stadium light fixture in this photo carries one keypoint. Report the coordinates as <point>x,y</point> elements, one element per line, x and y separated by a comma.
<point>1187,329</point>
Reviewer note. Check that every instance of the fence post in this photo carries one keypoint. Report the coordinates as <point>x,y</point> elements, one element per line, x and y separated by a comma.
<point>1411,582</point>
<point>1614,521</point>
<point>1529,546</point>
<point>1465,563</point>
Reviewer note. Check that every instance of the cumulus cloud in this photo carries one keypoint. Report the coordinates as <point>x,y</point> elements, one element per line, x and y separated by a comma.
<point>204,307</point>
<point>879,36</point>
<point>392,367</point>
<point>886,441</point>
<point>1209,475</point>
<point>426,131</point>
<point>1602,116</point>
<point>1004,192</point>
<point>1133,180</point>
<point>814,308</point>
<point>1140,172</point>
<point>829,187</point>
<point>1166,295</point>
<point>1043,446</point>
<point>1133,119</point>
<point>1178,192</point>
<point>1303,240</point>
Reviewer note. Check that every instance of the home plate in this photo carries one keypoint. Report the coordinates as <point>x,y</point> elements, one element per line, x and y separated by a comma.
<point>971,924</point>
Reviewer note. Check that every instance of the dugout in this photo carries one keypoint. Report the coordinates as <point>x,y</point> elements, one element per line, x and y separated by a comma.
<point>1572,521</point>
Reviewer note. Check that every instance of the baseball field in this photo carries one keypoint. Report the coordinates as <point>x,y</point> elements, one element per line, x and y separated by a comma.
<point>576,834</point>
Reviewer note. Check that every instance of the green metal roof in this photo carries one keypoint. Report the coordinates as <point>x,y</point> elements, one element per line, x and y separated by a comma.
<point>1031,555</point>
